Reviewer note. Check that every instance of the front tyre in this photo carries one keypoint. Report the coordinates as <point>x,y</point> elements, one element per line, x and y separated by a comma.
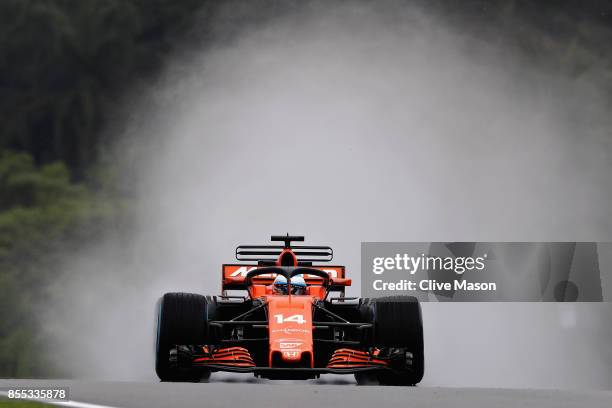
<point>366,378</point>
<point>181,319</point>
<point>398,325</point>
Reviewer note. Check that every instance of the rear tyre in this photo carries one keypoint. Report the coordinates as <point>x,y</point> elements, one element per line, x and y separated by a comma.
<point>398,325</point>
<point>181,319</point>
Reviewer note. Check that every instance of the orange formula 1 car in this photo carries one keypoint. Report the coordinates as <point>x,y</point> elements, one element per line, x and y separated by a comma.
<point>289,325</point>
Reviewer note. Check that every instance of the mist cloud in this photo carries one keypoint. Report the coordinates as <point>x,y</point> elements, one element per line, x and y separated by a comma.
<point>346,124</point>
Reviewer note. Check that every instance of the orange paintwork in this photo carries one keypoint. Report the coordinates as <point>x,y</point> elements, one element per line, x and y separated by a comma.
<point>290,328</point>
<point>285,252</point>
<point>233,277</point>
<point>230,356</point>
<point>289,321</point>
<point>236,273</point>
<point>349,358</point>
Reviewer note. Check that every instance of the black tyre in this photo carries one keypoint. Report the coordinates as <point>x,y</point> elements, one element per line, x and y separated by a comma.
<point>367,378</point>
<point>182,319</point>
<point>398,325</point>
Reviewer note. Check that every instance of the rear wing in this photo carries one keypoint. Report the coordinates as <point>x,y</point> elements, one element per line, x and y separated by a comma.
<point>233,277</point>
<point>270,253</point>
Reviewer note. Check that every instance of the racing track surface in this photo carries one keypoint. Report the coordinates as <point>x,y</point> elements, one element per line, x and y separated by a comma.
<point>309,394</point>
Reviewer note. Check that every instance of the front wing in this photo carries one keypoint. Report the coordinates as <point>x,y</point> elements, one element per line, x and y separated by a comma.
<point>238,360</point>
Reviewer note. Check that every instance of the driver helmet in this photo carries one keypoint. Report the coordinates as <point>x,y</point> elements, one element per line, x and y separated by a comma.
<point>298,285</point>
<point>280,285</point>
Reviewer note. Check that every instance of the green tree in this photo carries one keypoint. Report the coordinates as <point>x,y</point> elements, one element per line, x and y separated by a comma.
<point>43,217</point>
<point>65,64</point>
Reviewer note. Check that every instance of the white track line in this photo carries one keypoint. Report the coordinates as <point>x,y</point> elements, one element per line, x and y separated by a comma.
<point>74,404</point>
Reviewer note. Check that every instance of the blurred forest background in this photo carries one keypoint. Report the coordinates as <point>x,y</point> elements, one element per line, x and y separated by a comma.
<point>67,68</point>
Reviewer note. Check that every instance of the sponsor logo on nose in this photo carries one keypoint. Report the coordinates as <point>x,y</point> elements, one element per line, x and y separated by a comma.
<point>290,345</point>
